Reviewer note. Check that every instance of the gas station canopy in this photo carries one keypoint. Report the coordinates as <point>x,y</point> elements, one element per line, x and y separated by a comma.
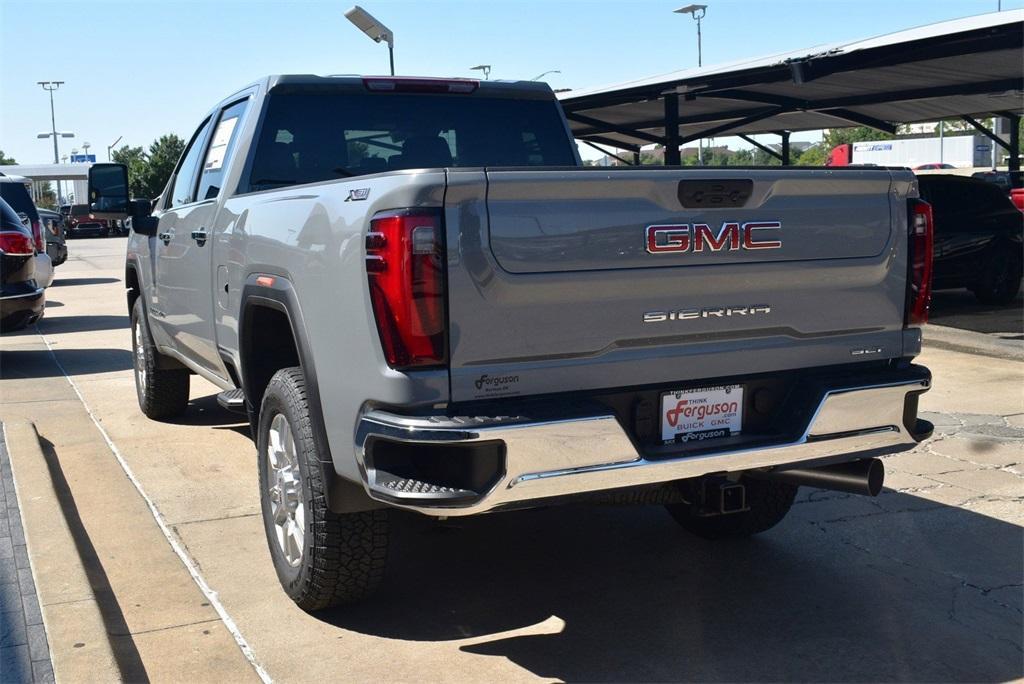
<point>963,68</point>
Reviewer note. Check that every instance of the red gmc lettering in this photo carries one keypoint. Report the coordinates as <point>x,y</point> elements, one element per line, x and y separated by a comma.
<point>731,237</point>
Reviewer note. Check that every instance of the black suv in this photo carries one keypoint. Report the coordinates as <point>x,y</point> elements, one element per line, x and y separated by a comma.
<point>977,237</point>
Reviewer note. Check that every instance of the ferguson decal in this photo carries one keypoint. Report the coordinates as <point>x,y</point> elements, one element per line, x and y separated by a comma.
<point>699,237</point>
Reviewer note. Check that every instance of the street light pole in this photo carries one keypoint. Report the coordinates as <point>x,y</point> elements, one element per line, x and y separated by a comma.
<point>112,145</point>
<point>377,31</point>
<point>50,86</point>
<point>697,12</point>
<point>485,68</point>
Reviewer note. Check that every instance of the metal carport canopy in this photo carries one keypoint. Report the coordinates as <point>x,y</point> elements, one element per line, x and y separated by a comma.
<point>964,67</point>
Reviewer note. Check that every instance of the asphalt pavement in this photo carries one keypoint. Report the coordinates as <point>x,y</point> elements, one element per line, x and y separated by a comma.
<point>922,583</point>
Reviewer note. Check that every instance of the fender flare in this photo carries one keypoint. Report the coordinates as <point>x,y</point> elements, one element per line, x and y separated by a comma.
<point>343,496</point>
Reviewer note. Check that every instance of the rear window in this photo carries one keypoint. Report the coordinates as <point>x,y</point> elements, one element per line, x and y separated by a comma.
<point>9,219</point>
<point>308,137</point>
<point>16,195</point>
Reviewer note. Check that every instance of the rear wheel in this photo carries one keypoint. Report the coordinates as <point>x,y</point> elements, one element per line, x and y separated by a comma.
<point>322,558</point>
<point>768,504</point>
<point>162,392</point>
<point>1000,280</point>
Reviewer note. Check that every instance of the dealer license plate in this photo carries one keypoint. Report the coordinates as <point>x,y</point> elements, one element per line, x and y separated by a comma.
<point>700,414</point>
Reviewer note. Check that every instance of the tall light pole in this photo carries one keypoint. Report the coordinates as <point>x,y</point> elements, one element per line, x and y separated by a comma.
<point>112,145</point>
<point>50,86</point>
<point>697,12</point>
<point>552,71</point>
<point>377,31</point>
<point>485,68</point>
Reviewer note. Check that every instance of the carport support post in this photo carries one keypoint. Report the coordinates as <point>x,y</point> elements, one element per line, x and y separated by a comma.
<point>672,129</point>
<point>785,147</point>
<point>1013,163</point>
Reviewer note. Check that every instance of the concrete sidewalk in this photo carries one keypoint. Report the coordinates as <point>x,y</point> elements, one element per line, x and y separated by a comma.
<point>922,583</point>
<point>24,651</point>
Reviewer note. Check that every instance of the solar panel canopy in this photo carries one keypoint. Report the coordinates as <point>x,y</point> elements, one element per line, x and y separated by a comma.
<point>965,67</point>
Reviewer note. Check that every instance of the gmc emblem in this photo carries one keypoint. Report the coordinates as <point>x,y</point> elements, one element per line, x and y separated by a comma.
<point>699,237</point>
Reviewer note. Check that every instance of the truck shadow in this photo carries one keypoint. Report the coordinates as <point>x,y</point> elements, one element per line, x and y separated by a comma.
<point>960,309</point>
<point>835,593</point>
<point>66,324</point>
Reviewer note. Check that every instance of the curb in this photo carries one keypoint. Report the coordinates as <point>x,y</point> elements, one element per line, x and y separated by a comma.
<point>970,342</point>
<point>79,644</point>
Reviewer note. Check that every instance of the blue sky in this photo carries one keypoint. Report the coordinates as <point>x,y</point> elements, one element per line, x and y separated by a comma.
<point>141,68</point>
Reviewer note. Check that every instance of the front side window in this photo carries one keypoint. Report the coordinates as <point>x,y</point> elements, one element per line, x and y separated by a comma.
<point>313,136</point>
<point>225,137</point>
<point>183,191</point>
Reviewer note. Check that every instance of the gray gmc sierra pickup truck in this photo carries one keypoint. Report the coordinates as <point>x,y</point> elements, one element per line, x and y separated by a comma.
<point>423,301</point>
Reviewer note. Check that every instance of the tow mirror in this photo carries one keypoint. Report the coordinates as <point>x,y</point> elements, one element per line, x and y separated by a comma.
<point>108,190</point>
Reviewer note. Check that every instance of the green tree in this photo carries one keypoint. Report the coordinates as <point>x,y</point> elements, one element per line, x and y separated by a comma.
<point>842,136</point>
<point>815,155</point>
<point>162,158</point>
<point>138,164</point>
<point>47,198</point>
<point>5,160</point>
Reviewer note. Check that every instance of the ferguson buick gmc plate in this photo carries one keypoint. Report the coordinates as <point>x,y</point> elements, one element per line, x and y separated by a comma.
<point>702,413</point>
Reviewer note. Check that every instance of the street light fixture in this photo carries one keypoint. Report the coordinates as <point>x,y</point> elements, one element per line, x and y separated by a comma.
<point>377,31</point>
<point>552,71</point>
<point>486,68</point>
<point>697,12</point>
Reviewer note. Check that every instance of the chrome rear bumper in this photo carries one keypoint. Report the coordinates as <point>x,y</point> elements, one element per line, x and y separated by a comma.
<point>590,453</point>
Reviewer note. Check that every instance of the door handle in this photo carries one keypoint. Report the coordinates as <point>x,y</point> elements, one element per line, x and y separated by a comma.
<point>165,238</point>
<point>199,236</point>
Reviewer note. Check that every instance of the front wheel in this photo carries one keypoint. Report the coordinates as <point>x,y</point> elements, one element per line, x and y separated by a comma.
<point>322,558</point>
<point>768,504</point>
<point>162,392</point>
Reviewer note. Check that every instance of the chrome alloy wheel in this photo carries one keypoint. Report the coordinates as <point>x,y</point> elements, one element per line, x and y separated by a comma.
<point>140,358</point>
<point>284,489</point>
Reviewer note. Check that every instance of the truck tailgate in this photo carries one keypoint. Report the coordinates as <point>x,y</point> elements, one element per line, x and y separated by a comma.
<point>563,280</point>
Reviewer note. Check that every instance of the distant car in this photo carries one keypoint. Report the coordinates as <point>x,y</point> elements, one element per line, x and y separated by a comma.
<point>22,298</point>
<point>82,223</point>
<point>15,191</point>
<point>978,237</point>
<point>1007,180</point>
<point>932,167</point>
<point>53,230</point>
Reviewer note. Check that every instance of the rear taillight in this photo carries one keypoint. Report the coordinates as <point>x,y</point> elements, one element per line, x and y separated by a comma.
<point>16,243</point>
<point>919,285</point>
<point>405,268</point>
<point>37,235</point>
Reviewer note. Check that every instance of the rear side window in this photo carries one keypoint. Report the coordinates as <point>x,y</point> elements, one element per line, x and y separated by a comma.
<point>225,137</point>
<point>312,136</point>
<point>16,194</point>
<point>9,219</point>
<point>183,191</point>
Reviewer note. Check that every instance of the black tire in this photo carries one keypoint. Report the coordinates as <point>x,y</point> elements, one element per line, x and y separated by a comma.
<point>162,392</point>
<point>342,555</point>
<point>1000,278</point>
<point>769,502</point>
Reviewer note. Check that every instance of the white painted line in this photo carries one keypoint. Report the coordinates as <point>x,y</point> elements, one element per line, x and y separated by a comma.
<point>186,559</point>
